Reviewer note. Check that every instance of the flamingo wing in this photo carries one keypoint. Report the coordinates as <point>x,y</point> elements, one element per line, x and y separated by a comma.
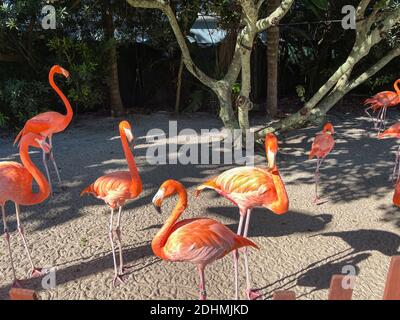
<point>34,125</point>
<point>113,188</point>
<point>322,145</point>
<point>202,241</point>
<point>385,98</point>
<point>15,180</point>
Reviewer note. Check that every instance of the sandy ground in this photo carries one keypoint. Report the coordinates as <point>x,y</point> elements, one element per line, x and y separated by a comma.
<point>300,250</point>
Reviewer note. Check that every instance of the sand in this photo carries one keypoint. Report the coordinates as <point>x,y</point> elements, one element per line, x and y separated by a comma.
<point>300,251</point>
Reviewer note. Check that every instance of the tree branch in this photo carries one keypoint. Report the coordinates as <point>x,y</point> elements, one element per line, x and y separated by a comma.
<point>275,16</point>
<point>187,59</point>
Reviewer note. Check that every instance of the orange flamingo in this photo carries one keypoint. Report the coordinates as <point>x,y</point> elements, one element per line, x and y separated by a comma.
<point>250,187</point>
<point>396,195</point>
<point>393,132</point>
<point>49,123</point>
<point>381,101</point>
<point>115,189</point>
<point>200,241</point>
<point>321,147</point>
<point>16,186</point>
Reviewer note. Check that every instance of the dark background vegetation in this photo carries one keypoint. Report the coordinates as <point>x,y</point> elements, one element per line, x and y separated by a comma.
<point>310,51</point>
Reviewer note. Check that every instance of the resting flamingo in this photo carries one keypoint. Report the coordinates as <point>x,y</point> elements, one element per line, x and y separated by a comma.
<point>380,102</point>
<point>115,189</point>
<point>200,241</point>
<point>393,132</point>
<point>250,187</point>
<point>49,123</point>
<point>321,147</point>
<point>16,186</point>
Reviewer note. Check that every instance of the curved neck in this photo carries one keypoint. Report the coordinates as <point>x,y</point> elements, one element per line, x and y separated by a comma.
<point>136,187</point>
<point>70,113</point>
<point>162,236</point>
<point>281,204</point>
<point>44,188</point>
<point>396,86</point>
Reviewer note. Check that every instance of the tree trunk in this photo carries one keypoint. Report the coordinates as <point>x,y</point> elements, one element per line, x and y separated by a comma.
<point>272,62</point>
<point>179,86</point>
<point>116,106</point>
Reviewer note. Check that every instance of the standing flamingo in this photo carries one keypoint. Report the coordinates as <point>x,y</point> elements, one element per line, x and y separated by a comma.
<point>115,189</point>
<point>250,187</point>
<point>381,101</point>
<point>393,132</point>
<point>16,186</point>
<point>200,241</point>
<point>321,147</point>
<point>49,123</point>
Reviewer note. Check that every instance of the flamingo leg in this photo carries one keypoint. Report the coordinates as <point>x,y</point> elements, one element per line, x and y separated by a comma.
<point>235,259</point>
<point>382,119</point>
<point>35,272</point>
<point>117,277</point>
<point>316,179</point>
<point>7,239</point>
<point>118,233</point>
<point>47,172</point>
<point>203,292</point>
<point>54,160</point>
<point>251,293</point>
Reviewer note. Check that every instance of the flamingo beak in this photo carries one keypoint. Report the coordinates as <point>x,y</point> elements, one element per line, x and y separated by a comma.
<point>271,156</point>
<point>129,135</point>
<point>157,200</point>
<point>65,73</point>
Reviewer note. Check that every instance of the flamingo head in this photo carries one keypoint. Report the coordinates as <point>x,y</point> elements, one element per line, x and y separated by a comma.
<point>60,70</point>
<point>271,148</point>
<point>328,127</point>
<point>167,189</point>
<point>37,141</point>
<point>126,129</point>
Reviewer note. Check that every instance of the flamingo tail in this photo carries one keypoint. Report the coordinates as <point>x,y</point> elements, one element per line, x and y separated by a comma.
<point>244,242</point>
<point>19,136</point>
<point>88,190</point>
<point>207,185</point>
<point>311,155</point>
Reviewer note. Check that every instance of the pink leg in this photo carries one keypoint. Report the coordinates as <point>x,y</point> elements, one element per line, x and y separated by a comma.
<point>118,233</point>
<point>236,257</point>
<point>7,238</point>
<point>35,272</point>
<point>316,179</point>
<point>250,293</point>
<point>117,277</point>
<point>203,293</point>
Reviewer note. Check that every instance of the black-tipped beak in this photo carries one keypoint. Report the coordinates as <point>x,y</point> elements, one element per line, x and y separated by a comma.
<point>158,209</point>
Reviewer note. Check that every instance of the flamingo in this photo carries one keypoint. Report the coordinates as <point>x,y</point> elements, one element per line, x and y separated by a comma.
<point>381,101</point>
<point>396,195</point>
<point>16,186</point>
<point>393,132</point>
<point>49,123</point>
<point>250,187</point>
<point>200,241</point>
<point>115,189</point>
<point>321,147</point>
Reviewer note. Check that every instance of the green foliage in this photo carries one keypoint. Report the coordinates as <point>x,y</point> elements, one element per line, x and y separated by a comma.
<point>236,88</point>
<point>22,99</point>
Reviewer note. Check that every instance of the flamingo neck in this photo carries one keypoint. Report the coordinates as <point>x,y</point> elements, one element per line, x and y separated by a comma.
<point>136,187</point>
<point>44,188</point>
<point>396,87</point>
<point>281,204</point>
<point>70,113</point>
<point>163,234</point>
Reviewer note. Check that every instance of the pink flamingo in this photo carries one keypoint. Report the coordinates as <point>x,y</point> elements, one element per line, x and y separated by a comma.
<point>321,147</point>
<point>49,123</point>
<point>16,186</point>
<point>200,241</point>
<point>250,187</point>
<point>115,189</point>
<point>381,101</point>
<point>393,132</point>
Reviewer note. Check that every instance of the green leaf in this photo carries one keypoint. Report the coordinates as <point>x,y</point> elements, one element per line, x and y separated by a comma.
<point>321,4</point>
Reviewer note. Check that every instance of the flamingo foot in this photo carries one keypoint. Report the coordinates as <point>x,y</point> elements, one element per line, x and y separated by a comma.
<point>316,200</point>
<point>36,272</point>
<point>253,294</point>
<point>203,295</point>
<point>16,284</point>
<point>118,280</point>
